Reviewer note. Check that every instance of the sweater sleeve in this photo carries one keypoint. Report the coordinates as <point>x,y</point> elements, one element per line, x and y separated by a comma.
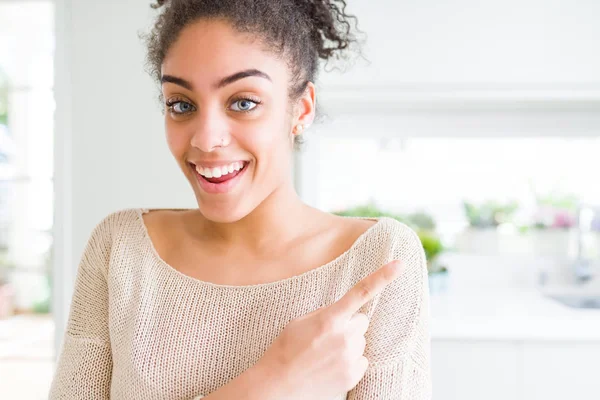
<point>398,338</point>
<point>84,366</point>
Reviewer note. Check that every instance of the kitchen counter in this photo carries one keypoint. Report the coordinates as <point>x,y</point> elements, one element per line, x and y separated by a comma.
<point>509,315</point>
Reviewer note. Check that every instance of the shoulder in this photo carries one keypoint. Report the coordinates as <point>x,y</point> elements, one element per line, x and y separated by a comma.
<point>399,235</point>
<point>405,245</point>
<point>400,317</point>
<point>109,227</point>
<point>107,233</point>
<point>389,239</point>
<point>401,242</point>
<point>117,219</point>
<point>397,241</point>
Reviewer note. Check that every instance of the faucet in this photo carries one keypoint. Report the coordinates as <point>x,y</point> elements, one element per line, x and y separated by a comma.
<point>582,266</point>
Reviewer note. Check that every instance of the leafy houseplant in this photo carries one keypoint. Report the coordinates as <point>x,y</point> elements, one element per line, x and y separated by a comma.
<point>368,211</point>
<point>556,211</point>
<point>483,234</point>
<point>3,98</point>
<point>553,221</point>
<point>489,214</point>
<point>433,248</point>
<point>43,304</point>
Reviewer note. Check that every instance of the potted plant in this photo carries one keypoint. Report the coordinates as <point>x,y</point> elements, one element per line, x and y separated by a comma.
<point>438,273</point>
<point>369,211</point>
<point>484,234</point>
<point>553,224</point>
<point>42,305</point>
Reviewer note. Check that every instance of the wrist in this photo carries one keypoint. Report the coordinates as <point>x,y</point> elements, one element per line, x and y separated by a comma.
<point>259,382</point>
<point>265,382</point>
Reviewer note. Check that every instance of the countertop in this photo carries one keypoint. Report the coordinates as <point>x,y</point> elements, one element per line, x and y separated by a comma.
<point>509,314</point>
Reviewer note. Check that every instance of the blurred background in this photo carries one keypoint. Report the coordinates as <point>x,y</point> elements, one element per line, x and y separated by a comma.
<point>477,123</point>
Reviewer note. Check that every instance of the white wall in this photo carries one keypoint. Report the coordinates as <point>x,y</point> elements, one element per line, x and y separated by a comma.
<point>110,148</point>
<point>472,43</point>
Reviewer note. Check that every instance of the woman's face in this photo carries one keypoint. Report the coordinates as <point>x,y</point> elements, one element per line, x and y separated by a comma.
<point>228,120</point>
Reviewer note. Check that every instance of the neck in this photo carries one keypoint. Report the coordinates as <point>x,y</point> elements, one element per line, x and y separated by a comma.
<point>277,218</point>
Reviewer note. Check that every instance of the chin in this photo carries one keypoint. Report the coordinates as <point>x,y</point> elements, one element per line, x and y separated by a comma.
<point>221,213</point>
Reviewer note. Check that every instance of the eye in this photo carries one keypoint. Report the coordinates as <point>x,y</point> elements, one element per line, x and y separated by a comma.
<point>180,107</point>
<point>244,105</point>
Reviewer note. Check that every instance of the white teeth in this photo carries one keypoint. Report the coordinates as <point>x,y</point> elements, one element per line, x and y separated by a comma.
<point>218,172</point>
<point>200,170</point>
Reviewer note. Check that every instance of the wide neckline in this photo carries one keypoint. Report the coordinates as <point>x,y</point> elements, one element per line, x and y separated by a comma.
<point>157,257</point>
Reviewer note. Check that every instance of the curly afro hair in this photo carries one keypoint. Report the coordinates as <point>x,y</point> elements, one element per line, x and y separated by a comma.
<point>304,31</point>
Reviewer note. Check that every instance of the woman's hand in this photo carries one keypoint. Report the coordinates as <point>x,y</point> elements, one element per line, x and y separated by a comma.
<point>320,355</point>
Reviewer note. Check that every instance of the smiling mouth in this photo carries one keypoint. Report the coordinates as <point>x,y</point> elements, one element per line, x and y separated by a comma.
<point>220,174</point>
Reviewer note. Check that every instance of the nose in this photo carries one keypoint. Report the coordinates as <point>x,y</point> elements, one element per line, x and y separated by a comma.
<point>211,131</point>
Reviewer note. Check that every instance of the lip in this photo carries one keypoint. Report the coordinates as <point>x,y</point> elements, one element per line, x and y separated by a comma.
<point>219,188</point>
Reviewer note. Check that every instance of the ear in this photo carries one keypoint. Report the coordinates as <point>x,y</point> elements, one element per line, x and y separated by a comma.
<point>305,110</point>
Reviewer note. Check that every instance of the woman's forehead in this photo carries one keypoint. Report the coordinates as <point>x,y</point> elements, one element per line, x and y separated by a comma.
<point>207,51</point>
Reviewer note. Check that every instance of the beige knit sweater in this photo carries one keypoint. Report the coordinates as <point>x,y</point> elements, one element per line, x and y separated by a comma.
<point>140,329</point>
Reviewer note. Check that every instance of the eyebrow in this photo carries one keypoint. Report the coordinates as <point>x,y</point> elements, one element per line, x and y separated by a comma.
<point>223,82</point>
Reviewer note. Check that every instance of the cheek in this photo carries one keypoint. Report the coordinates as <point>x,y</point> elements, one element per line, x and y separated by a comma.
<point>267,141</point>
<point>176,140</point>
<point>272,152</point>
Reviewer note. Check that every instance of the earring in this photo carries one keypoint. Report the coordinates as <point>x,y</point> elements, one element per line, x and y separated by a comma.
<point>299,128</point>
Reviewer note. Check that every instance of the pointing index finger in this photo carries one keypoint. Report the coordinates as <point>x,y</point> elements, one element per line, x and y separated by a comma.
<point>365,290</point>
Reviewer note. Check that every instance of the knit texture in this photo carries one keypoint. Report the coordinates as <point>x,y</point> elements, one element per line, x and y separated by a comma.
<point>140,329</point>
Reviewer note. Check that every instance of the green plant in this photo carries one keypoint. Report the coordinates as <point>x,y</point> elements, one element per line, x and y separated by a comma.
<point>418,220</point>
<point>3,98</point>
<point>489,213</point>
<point>43,304</point>
<point>433,247</point>
<point>421,220</point>
<point>369,210</point>
<point>431,244</point>
<point>556,211</point>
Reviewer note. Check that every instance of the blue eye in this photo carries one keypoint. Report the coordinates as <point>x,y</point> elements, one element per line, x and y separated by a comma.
<point>180,107</point>
<point>244,105</point>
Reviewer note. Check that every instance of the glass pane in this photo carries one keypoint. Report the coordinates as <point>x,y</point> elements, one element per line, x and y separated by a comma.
<point>26,197</point>
<point>27,42</point>
<point>512,184</point>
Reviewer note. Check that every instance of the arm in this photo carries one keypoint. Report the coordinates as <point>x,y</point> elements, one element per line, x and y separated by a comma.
<point>398,339</point>
<point>256,383</point>
<point>84,365</point>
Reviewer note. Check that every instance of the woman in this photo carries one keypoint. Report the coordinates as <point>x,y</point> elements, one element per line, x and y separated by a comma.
<point>253,294</point>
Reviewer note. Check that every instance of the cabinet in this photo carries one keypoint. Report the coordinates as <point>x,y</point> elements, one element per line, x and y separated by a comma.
<point>519,370</point>
<point>561,371</point>
<point>474,370</point>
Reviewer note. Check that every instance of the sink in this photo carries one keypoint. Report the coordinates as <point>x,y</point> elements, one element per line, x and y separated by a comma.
<point>577,300</point>
<point>571,290</point>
